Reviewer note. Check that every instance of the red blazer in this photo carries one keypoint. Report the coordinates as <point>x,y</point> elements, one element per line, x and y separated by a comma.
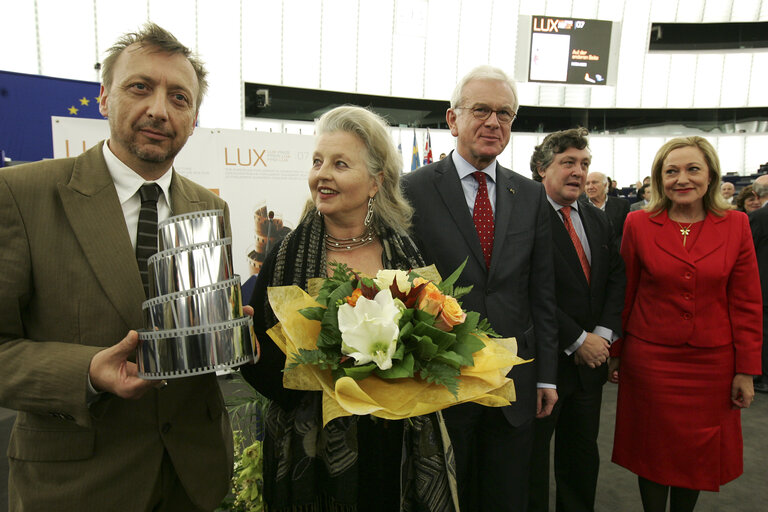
<point>707,297</point>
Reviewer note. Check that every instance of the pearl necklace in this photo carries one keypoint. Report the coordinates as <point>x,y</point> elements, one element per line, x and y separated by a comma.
<point>348,244</point>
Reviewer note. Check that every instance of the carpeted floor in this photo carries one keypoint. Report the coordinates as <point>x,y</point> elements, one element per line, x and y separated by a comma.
<point>617,488</point>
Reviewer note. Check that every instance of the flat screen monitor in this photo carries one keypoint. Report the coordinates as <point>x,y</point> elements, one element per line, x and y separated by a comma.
<point>569,50</point>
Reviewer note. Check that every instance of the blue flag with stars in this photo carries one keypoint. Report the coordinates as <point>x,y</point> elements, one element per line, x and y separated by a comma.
<point>28,102</point>
<point>415,164</point>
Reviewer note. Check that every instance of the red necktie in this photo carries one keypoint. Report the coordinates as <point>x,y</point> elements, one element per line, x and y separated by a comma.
<point>483,217</point>
<point>566,211</point>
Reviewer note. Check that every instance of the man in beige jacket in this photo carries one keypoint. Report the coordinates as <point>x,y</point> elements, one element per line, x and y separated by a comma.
<point>90,434</point>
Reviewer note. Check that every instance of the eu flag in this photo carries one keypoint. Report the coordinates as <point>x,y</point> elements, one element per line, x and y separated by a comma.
<point>28,102</point>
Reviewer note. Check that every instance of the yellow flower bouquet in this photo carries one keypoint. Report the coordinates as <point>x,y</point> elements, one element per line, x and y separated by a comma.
<point>394,346</point>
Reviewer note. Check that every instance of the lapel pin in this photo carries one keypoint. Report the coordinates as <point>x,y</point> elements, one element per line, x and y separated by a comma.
<point>512,190</point>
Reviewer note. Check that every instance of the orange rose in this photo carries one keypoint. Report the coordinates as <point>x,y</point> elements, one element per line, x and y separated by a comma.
<point>450,315</point>
<point>430,299</point>
<point>352,299</point>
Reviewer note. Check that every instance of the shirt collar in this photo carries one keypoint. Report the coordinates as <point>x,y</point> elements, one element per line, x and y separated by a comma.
<point>464,168</point>
<point>127,181</point>
<point>574,205</point>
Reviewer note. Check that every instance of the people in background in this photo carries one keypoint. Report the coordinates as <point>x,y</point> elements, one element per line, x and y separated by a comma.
<point>643,196</point>
<point>469,207</point>
<point>90,434</point>
<point>589,279</point>
<point>442,155</point>
<point>728,190</point>
<point>691,332</point>
<point>747,201</point>
<point>616,208</point>
<point>357,217</point>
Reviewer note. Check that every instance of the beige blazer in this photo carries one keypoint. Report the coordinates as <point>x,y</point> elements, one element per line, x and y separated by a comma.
<point>69,286</point>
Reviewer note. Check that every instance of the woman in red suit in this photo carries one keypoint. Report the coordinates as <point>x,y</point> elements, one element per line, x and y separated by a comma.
<point>692,332</point>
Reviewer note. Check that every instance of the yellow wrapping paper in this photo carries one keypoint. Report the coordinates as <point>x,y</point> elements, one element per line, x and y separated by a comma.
<point>485,382</point>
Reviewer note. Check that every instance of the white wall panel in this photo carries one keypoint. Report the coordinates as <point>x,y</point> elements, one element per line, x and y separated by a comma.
<point>634,35</point>
<point>613,11</point>
<point>503,29</point>
<point>758,83</point>
<point>655,80</point>
<point>557,8</point>
<point>66,52</point>
<point>20,16</point>
<point>690,11</point>
<point>601,148</point>
<point>716,11</point>
<point>440,75</point>
<point>374,61</point>
<point>114,20</point>
<point>586,9</point>
<point>709,76</point>
<point>754,152</point>
<point>682,75</point>
<point>746,10</point>
<point>735,79</point>
<point>179,17</point>
<point>474,35</point>
<point>625,158</point>
<point>647,150</point>
<point>262,42</point>
<point>301,43</point>
<point>408,48</point>
<point>663,11</point>
<point>521,148</point>
<point>219,27</point>
<point>339,45</point>
<point>730,150</point>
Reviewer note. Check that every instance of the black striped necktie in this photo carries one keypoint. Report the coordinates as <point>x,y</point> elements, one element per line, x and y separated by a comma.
<point>146,234</point>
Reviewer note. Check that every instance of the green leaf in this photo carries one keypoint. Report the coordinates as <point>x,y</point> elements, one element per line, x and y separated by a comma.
<point>314,357</point>
<point>446,286</point>
<point>313,313</point>
<point>460,291</point>
<point>441,373</point>
<point>484,327</point>
<point>359,372</point>
<point>425,349</point>
<point>466,347</point>
<point>405,318</point>
<point>405,330</point>
<point>400,369</point>
<point>442,339</point>
<point>450,358</point>
<point>468,326</point>
<point>422,316</point>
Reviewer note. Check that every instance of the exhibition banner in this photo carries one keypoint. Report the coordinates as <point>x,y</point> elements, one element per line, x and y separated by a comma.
<point>262,176</point>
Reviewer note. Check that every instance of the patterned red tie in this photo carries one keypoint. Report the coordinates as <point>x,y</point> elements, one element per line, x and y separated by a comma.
<point>483,217</point>
<point>566,211</point>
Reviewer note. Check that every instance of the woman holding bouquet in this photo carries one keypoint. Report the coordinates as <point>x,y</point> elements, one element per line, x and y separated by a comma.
<point>692,332</point>
<point>357,217</point>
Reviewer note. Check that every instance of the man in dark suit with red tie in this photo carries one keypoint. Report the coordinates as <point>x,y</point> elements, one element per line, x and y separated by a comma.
<point>468,207</point>
<point>589,282</point>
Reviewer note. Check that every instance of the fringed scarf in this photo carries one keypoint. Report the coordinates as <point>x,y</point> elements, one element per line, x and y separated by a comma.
<point>310,468</point>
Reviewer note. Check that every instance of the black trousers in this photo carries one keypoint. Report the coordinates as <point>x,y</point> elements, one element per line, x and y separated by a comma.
<point>575,422</point>
<point>492,458</point>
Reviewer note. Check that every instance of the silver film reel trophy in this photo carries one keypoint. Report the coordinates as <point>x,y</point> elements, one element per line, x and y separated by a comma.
<point>194,320</point>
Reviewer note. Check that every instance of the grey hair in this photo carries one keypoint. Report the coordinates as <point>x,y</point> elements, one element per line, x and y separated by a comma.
<point>556,143</point>
<point>390,209</point>
<point>155,37</point>
<point>759,188</point>
<point>484,72</point>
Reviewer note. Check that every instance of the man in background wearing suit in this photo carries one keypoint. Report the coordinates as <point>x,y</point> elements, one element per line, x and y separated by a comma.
<point>758,222</point>
<point>470,207</point>
<point>643,196</point>
<point>90,434</point>
<point>589,283</point>
<point>615,208</point>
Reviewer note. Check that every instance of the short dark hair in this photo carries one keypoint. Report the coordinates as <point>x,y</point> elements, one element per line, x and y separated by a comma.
<point>641,191</point>
<point>555,143</point>
<point>154,36</point>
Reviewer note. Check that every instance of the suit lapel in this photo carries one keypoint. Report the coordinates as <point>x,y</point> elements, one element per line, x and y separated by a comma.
<point>449,187</point>
<point>182,198</point>
<point>666,241</point>
<point>706,244</point>
<point>93,210</point>
<point>505,205</point>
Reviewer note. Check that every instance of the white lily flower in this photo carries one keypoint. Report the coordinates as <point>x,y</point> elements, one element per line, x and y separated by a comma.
<point>385,278</point>
<point>369,330</point>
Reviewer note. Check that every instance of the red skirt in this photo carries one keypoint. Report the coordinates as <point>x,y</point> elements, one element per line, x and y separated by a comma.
<point>674,421</point>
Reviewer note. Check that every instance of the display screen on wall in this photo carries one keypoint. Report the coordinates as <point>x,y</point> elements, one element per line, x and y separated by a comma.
<point>569,50</point>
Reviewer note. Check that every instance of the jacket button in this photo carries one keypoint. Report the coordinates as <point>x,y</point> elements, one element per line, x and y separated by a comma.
<point>165,428</point>
<point>688,275</point>
<point>687,296</point>
<point>686,316</point>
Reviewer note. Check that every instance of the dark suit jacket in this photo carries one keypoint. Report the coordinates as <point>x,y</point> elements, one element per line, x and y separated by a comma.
<point>70,286</point>
<point>582,306</point>
<point>758,222</point>
<point>517,293</point>
<point>707,297</point>
<point>617,209</point>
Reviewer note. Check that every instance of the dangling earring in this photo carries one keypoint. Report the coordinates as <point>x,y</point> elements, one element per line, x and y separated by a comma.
<point>369,214</point>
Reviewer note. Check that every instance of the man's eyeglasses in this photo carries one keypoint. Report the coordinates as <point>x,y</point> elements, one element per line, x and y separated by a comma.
<point>483,113</point>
